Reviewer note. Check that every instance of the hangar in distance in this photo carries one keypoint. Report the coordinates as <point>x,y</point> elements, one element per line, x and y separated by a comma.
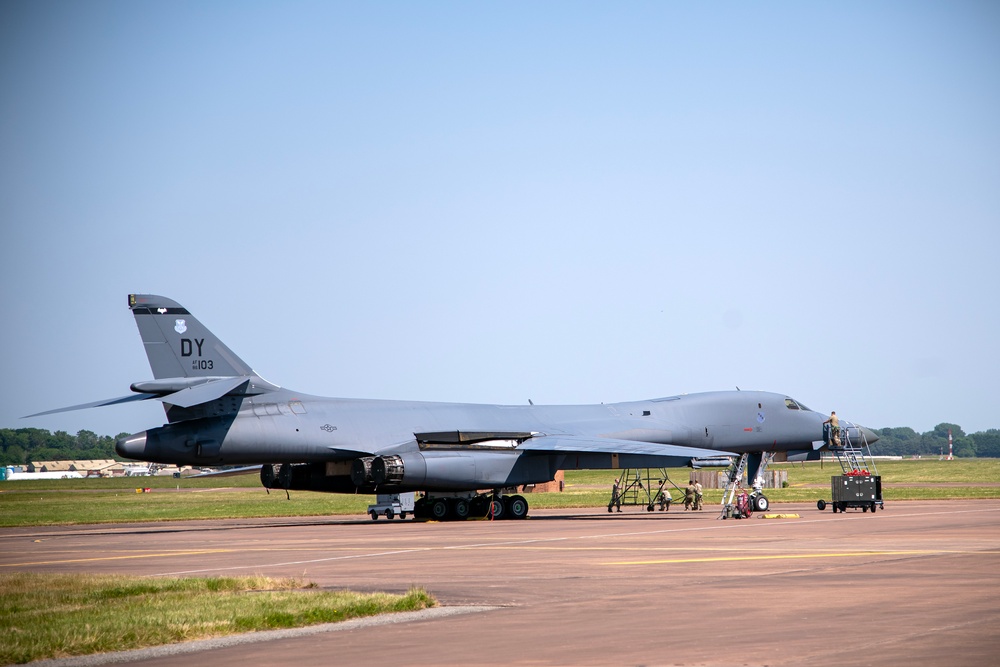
<point>468,459</point>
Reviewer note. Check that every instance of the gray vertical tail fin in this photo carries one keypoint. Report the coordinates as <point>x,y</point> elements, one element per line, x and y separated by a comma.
<point>178,345</point>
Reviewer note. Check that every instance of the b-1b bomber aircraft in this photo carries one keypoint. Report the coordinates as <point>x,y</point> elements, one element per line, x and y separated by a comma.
<point>468,460</point>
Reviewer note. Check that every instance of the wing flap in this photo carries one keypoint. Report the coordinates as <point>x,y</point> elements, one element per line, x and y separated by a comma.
<point>568,444</point>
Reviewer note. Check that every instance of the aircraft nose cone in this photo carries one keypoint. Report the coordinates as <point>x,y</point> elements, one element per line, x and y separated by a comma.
<point>132,446</point>
<point>869,435</point>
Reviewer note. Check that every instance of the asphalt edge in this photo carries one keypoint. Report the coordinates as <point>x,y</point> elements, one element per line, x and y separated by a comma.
<point>199,645</point>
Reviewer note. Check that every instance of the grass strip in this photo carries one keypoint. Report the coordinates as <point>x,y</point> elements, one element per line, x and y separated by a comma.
<point>64,502</point>
<point>63,615</point>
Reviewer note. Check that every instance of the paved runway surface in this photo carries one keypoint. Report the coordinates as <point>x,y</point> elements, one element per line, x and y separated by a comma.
<point>916,584</point>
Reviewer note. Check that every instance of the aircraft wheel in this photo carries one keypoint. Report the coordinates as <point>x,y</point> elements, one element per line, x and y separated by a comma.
<point>517,507</point>
<point>389,514</point>
<point>439,509</point>
<point>374,515</point>
<point>760,503</point>
<point>497,509</point>
<point>460,509</point>
<point>821,505</point>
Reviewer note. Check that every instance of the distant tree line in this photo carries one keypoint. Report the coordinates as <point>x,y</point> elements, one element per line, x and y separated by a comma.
<point>20,446</point>
<point>904,441</point>
<point>23,445</point>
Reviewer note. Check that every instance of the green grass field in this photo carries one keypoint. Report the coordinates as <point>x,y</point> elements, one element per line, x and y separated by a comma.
<point>54,502</point>
<point>57,616</point>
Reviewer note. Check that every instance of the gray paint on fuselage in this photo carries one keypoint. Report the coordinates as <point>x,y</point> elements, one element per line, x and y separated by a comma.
<point>330,426</point>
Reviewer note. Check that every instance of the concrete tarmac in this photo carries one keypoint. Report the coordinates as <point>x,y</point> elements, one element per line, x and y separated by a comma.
<point>918,583</point>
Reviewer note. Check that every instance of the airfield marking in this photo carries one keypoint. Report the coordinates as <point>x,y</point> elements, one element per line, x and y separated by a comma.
<point>297,562</point>
<point>129,557</point>
<point>846,554</point>
<point>527,543</point>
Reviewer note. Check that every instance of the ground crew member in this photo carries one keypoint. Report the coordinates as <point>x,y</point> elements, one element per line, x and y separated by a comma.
<point>697,495</point>
<point>616,498</point>
<point>689,494</point>
<point>834,428</point>
<point>665,499</point>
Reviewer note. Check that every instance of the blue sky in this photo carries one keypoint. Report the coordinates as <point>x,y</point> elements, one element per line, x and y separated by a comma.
<point>490,202</point>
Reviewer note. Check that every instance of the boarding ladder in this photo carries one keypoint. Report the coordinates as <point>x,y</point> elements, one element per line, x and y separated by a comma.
<point>734,480</point>
<point>853,454</point>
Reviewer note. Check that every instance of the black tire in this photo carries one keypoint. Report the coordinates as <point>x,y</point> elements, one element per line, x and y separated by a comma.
<point>497,509</point>
<point>460,509</point>
<point>835,507</point>
<point>761,503</point>
<point>374,515</point>
<point>420,510</point>
<point>439,509</point>
<point>874,505</point>
<point>402,515</point>
<point>517,507</point>
<point>821,505</point>
<point>389,514</point>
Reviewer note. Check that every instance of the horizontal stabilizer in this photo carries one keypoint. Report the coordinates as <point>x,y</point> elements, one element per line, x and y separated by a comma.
<point>566,444</point>
<point>185,398</point>
<point>205,392</point>
<point>97,404</point>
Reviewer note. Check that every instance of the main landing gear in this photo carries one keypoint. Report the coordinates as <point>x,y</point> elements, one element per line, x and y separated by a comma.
<point>459,507</point>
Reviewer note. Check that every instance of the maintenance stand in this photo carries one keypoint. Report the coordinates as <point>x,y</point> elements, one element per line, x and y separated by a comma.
<point>644,487</point>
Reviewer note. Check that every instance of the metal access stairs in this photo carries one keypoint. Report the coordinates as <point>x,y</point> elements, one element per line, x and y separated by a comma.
<point>853,454</point>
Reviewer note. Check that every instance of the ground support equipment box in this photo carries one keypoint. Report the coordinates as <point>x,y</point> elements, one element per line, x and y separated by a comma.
<point>392,505</point>
<point>862,492</point>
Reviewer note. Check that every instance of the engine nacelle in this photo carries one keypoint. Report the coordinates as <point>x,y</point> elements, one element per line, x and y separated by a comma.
<point>361,471</point>
<point>388,470</point>
<point>305,477</point>
<point>449,470</point>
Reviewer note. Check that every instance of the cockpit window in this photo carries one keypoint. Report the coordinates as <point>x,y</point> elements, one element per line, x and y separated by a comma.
<point>792,405</point>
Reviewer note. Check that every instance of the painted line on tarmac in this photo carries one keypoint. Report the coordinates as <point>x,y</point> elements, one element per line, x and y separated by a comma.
<point>259,566</point>
<point>199,645</point>
<point>721,559</point>
<point>494,545</point>
<point>129,557</point>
